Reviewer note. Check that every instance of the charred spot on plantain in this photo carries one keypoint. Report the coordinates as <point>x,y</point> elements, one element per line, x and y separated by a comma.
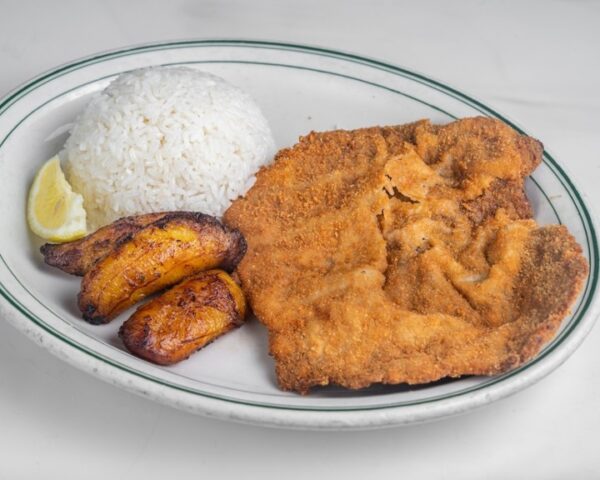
<point>54,257</point>
<point>195,217</point>
<point>102,243</point>
<point>146,337</point>
<point>188,297</point>
<point>216,298</point>
<point>47,249</point>
<point>123,240</point>
<point>89,315</point>
<point>132,338</point>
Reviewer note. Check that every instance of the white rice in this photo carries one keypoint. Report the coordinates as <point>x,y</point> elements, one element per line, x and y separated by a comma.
<point>165,139</point>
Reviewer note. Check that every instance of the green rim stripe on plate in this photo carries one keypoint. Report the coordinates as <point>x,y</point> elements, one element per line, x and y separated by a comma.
<point>35,83</point>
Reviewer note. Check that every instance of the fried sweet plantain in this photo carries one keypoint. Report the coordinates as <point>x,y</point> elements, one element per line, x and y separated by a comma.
<point>171,327</point>
<point>79,256</point>
<point>160,255</point>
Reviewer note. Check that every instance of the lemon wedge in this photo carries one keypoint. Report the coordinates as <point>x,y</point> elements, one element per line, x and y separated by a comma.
<point>54,211</point>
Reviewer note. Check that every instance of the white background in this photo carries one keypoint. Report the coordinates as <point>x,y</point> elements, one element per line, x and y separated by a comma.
<point>536,61</point>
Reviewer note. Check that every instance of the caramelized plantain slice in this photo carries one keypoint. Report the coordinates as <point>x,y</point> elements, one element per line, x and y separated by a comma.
<point>153,258</point>
<point>79,256</point>
<point>171,327</point>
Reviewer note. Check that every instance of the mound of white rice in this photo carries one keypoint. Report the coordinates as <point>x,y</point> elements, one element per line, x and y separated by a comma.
<point>165,139</point>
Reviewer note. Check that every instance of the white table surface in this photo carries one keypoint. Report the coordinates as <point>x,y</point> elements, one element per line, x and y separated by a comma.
<point>536,61</point>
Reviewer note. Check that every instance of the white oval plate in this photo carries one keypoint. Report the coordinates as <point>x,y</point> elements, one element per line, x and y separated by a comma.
<point>299,89</point>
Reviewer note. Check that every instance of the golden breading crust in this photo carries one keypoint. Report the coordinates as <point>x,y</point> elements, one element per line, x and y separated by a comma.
<point>403,255</point>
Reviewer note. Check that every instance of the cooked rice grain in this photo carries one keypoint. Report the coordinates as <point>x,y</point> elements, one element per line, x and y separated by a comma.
<point>165,139</point>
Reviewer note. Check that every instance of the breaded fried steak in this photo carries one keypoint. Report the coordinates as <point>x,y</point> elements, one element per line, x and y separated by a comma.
<point>403,255</point>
